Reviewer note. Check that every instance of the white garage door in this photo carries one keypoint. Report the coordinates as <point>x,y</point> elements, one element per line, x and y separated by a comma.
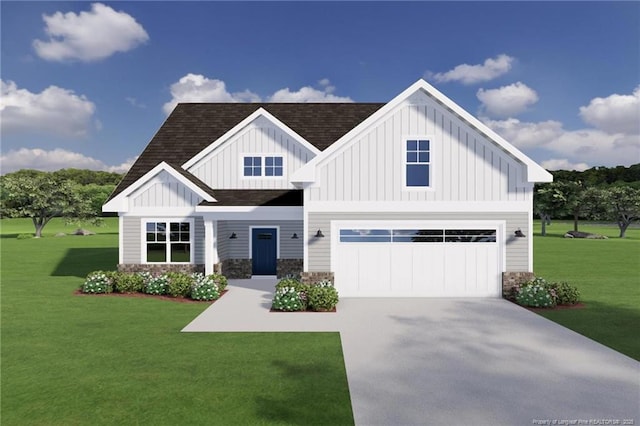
<point>428,259</point>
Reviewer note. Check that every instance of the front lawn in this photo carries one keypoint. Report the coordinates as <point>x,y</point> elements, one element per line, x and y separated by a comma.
<point>69,359</point>
<point>606,272</point>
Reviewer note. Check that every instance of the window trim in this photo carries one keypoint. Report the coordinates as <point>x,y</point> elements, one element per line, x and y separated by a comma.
<point>263,164</point>
<point>143,239</point>
<point>404,163</point>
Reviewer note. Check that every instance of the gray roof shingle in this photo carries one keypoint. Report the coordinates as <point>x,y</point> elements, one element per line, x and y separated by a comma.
<point>191,127</point>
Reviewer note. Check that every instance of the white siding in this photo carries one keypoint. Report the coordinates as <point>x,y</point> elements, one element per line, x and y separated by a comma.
<point>465,164</point>
<point>164,191</point>
<point>222,169</point>
<point>517,258</point>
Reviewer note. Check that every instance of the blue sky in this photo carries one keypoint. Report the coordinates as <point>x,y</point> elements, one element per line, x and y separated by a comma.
<point>88,84</point>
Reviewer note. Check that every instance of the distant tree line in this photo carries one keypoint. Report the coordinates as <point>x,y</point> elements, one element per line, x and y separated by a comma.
<point>77,195</point>
<point>599,193</point>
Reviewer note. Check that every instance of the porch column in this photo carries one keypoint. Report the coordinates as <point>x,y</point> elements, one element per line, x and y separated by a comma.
<point>210,245</point>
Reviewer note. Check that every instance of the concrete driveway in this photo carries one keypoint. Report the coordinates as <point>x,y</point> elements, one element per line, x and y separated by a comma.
<point>452,361</point>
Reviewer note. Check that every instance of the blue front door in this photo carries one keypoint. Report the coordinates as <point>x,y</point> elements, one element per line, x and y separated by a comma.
<point>264,250</point>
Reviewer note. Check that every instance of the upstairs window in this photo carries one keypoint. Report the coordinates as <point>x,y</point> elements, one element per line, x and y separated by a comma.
<point>418,163</point>
<point>263,166</point>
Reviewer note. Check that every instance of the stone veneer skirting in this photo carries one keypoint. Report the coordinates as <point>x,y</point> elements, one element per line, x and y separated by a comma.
<point>159,268</point>
<point>242,268</point>
<point>289,267</point>
<point>511,279</point>
<point>314,277</point>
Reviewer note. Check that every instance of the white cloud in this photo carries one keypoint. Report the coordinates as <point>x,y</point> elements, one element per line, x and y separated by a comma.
<point>597,148</point>
<point>526,135</point>
<point>89,36</point>
<point>507,101</point>
<point>198,88</point>
<point>563,164</point>
<point>615,113</point>
<point>55,159</point>
<point>54,110</point>
<point>134,102</point>
<point>471,74</point>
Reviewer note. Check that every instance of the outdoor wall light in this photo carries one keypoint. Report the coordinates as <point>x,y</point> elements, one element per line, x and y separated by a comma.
<point>294,236</point>
<point>233,236</point>
<point>519,233</point>
<point>319,234</point>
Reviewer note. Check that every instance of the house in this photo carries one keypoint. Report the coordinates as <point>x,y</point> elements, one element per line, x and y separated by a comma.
<point>414,197</point>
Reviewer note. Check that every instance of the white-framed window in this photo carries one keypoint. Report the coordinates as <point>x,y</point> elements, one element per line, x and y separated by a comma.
<point>168,241</point>
<point>263,165</point>
<point>417,162</point>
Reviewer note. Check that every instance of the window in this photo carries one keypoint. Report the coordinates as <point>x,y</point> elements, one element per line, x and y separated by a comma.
<point>168,242</point>
<point>263,166</point>
<point>418,235</point>
<point>418,163</point>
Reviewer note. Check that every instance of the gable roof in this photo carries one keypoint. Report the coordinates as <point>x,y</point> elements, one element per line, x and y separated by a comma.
<point>192,127</point>
<point>256,197</point>
<point>535,172</point>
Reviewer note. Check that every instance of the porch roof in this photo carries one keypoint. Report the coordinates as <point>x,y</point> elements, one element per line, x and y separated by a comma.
<point>256,197</point>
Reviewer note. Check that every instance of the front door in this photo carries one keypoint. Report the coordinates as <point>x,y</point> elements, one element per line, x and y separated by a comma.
<point>264,250</point>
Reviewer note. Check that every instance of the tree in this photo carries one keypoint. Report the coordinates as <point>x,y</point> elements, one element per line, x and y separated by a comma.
<point>624,206</point>
<point>41,196</point>
<point>549,201</point>
<point>95,195</point>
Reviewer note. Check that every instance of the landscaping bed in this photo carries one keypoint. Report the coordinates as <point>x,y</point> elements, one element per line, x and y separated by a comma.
<point>292,295</point>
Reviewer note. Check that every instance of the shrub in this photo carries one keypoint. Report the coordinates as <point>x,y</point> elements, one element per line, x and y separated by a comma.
<point>566,294</point>
<point>178,284</point>
<point>156,285</point>
<point>535,293</point>
<point>220,280</point>
<point>205,288</point>
<point>323,296</point>
<point>128,283</point>
<point>98,282</point>
<point>289,299</point>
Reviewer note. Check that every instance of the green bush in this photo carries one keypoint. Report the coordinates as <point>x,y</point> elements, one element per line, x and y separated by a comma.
<point>289,299</point>
<point>565,293</point>
<point>293,283</point>
<point>156,285</point>
<point>535,293</point>
<point>178,284</point>
<point>205,288</point>
<point>322,297</point>
<point>128,283</point>
<point>24,236</point>
<point>220,280</point>
<point>98,282</point>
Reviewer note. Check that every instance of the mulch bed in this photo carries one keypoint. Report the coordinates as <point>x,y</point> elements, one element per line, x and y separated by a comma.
<point>178,299</point>
<point>295,312</point>
<point>557,308</point>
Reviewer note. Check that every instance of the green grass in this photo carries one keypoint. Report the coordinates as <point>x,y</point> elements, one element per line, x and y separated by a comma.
<point>607,273</point>
<point>74,360</point>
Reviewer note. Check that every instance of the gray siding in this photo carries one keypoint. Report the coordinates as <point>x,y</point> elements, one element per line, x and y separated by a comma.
<point>466,166</point>
<point>198,242</point>
<point>131,239</point>
<point>517,258</point>
<point>239,247</point>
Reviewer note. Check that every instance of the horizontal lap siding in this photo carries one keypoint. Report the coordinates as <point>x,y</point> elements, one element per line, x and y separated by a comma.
<point>517,258</point>
<point>239,248</point>
<point>222,168</point>
<point>198,240</point>
<point>131,239</point>
<point>466,166</point>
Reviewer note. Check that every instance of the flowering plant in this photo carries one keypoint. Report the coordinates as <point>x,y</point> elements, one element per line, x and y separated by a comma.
<point>156,285</point>
<point>98,282</point>
<point>289,299</point>
<point>535,294</point>
<point>204,287</point>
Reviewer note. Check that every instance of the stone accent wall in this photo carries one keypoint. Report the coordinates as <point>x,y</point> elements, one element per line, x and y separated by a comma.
<point>237,268</point>
<point>158,269</point>
<point>312,277</point>
<point>289,267</point>
<point>217,268</point>
<point>510,279</point>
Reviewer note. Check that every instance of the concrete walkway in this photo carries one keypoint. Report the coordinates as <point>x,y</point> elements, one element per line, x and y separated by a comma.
<point>452,361</point>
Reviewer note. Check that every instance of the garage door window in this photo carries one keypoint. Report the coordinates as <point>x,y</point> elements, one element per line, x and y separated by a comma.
<point>417,235</point>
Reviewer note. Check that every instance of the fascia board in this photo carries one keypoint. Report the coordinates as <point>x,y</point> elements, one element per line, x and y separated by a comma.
<point>535,173</point>
<point>119,202</point>
<point>260,112</point>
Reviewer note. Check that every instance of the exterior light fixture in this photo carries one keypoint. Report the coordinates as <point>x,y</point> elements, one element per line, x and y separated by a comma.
<point>519,233</point>
<point>233,236</point>
<point>294,236</point>
<point>319,234</point>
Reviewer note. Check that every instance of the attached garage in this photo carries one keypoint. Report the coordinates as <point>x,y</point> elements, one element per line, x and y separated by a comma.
<point>417,258</point>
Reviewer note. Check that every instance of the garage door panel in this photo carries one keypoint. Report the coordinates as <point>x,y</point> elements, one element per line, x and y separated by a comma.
<point>459,264</point>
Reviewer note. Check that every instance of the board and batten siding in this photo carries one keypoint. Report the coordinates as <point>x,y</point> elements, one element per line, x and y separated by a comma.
<point>517,257</point>
<point>222,168</point>
<point>165,191</point>
<point>466,166</point>
<point>132,239</point>
<point>239,248</point>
